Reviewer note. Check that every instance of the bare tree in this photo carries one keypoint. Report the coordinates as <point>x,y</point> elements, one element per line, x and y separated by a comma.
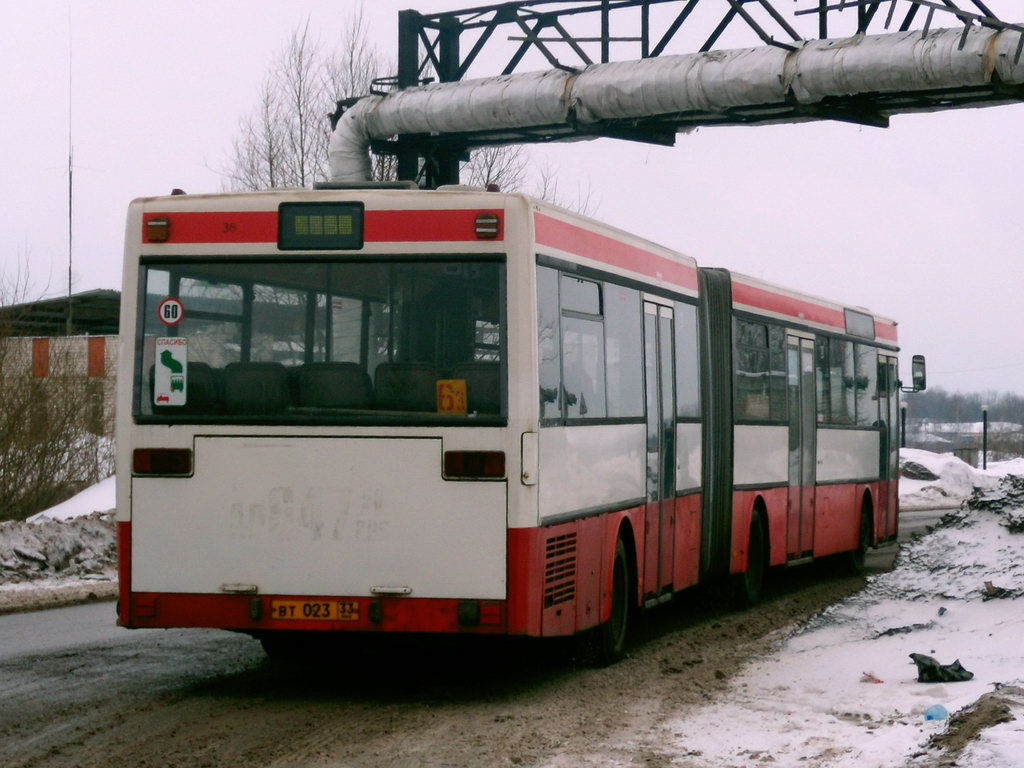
<point>546,187</point>
<point>259,145</point>
<point>55,422</point>
<point>503,166</point>
<point>283,141</point>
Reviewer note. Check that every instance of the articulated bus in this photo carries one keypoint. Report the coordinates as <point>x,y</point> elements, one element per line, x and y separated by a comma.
<point>375,410</point>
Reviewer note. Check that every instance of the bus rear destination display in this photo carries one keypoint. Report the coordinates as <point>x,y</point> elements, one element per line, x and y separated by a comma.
<point>320,226</point>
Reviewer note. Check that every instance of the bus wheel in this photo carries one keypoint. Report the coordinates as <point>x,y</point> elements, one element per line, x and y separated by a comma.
<point>749,585</point>
<point>856,560</point>
<point>287,647</point>
<point>611,636</point>
<point>281,646</point>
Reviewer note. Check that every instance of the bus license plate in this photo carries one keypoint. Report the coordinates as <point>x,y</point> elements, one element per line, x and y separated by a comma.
<point>315,610</point>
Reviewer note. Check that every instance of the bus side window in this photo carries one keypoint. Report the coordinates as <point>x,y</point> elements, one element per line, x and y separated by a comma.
<point>841,381</point>
<point>687,361</point>
<point>751,369</point>
<point>867,385</point>
<point>583,358</point>
<point>548,338</point>
<point>583,348</point>
<point>623,326</point>
<point>821,380</point>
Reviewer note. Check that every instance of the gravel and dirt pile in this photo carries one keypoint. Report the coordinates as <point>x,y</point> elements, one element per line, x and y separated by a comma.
<point>47,563</point>
<point>966,726</point>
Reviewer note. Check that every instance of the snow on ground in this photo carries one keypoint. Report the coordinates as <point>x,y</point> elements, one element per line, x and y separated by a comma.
<point>941,480</point>
<point>933,480</point>
<point>842,691</point>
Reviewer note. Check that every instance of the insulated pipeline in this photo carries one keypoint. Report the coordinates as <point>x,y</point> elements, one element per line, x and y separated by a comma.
<point>903,62</point>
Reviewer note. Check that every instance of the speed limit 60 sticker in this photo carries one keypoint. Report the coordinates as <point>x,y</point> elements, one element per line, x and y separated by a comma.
<point>171,311</point>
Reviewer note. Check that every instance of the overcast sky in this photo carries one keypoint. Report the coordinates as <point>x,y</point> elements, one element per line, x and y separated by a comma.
<point>919,222</point>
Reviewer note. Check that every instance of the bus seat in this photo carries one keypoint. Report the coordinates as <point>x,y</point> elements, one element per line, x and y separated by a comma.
<point>406,387</point>
<point>483,385</point>
<point>204,390</point>
<point>334,385</point>
<point>255,388</point>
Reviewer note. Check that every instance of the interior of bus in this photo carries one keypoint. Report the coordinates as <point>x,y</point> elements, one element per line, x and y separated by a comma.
<point>314,341</point>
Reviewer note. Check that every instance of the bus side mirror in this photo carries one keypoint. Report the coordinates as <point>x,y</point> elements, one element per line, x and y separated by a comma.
<point>918,373</point>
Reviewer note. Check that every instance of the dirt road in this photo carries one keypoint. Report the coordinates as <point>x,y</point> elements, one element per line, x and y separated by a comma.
<point>207,698</point>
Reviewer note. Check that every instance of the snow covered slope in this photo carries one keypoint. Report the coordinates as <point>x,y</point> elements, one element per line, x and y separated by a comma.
<point>842,691</point>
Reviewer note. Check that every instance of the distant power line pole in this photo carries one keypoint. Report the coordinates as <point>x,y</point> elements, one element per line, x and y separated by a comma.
<point>71,185</point>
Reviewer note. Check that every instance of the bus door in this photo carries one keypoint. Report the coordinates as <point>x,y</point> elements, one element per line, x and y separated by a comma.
<point>802,447</point>
<point>660,406</point>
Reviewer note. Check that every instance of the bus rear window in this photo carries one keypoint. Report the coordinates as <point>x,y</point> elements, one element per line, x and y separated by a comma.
<point>315,342</point>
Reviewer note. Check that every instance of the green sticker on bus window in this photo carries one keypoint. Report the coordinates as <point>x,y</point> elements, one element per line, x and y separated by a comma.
<point>170,372</point>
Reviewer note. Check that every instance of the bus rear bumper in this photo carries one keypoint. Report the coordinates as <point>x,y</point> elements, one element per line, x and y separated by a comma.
<point>255,613</point>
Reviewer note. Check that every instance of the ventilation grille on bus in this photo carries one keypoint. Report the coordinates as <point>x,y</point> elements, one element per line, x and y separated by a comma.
<point>560,570</point>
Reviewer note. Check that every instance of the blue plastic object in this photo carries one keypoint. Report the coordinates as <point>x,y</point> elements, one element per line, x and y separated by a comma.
<point>936,712</point>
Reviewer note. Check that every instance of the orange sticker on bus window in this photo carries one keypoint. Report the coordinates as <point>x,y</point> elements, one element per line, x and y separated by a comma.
<point>451,396</point>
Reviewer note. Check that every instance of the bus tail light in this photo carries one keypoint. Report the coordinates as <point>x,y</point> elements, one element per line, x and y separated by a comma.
<point>488,226</point>
<point>474,465</point>
<point>475,613</point>
<point>158,230</point>
<point>174,462</point>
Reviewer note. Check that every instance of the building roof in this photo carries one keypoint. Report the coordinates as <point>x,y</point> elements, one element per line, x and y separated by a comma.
<point>93,313</point>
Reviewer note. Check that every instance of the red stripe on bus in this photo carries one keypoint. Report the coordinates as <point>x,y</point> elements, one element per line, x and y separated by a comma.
<point>592,245</point>
<point>419,226</point>
<point>787,305</point>
<point>450,226</point>
<point>885,331</point>
<point>217,226</point>
<point>124,573</point>
<point>752,296</point>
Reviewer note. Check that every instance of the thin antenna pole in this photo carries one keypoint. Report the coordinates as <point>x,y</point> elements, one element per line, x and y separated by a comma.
<point>71,183</point>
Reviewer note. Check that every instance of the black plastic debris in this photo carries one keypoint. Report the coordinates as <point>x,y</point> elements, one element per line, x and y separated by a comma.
<point>902,630</point>
<point>914,471</point>
<point>930,671</point>
<point>992,592</point>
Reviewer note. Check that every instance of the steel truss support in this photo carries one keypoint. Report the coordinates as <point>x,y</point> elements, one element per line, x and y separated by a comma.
<point>442,47</point>
<point>430,49</point>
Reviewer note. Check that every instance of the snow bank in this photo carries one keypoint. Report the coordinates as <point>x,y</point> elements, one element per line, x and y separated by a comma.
<point>951,480</point>
<point>842,691</point>
<point>96,498</point>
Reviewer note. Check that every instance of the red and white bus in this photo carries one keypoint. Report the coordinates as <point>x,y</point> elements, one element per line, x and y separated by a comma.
<point>456,411</point>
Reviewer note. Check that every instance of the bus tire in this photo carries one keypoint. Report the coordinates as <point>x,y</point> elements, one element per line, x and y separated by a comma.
<point>856,559</point>
<point>612,634</point>
<point>749,585</point>
<point>280,646</point>
<point>295,647</point>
